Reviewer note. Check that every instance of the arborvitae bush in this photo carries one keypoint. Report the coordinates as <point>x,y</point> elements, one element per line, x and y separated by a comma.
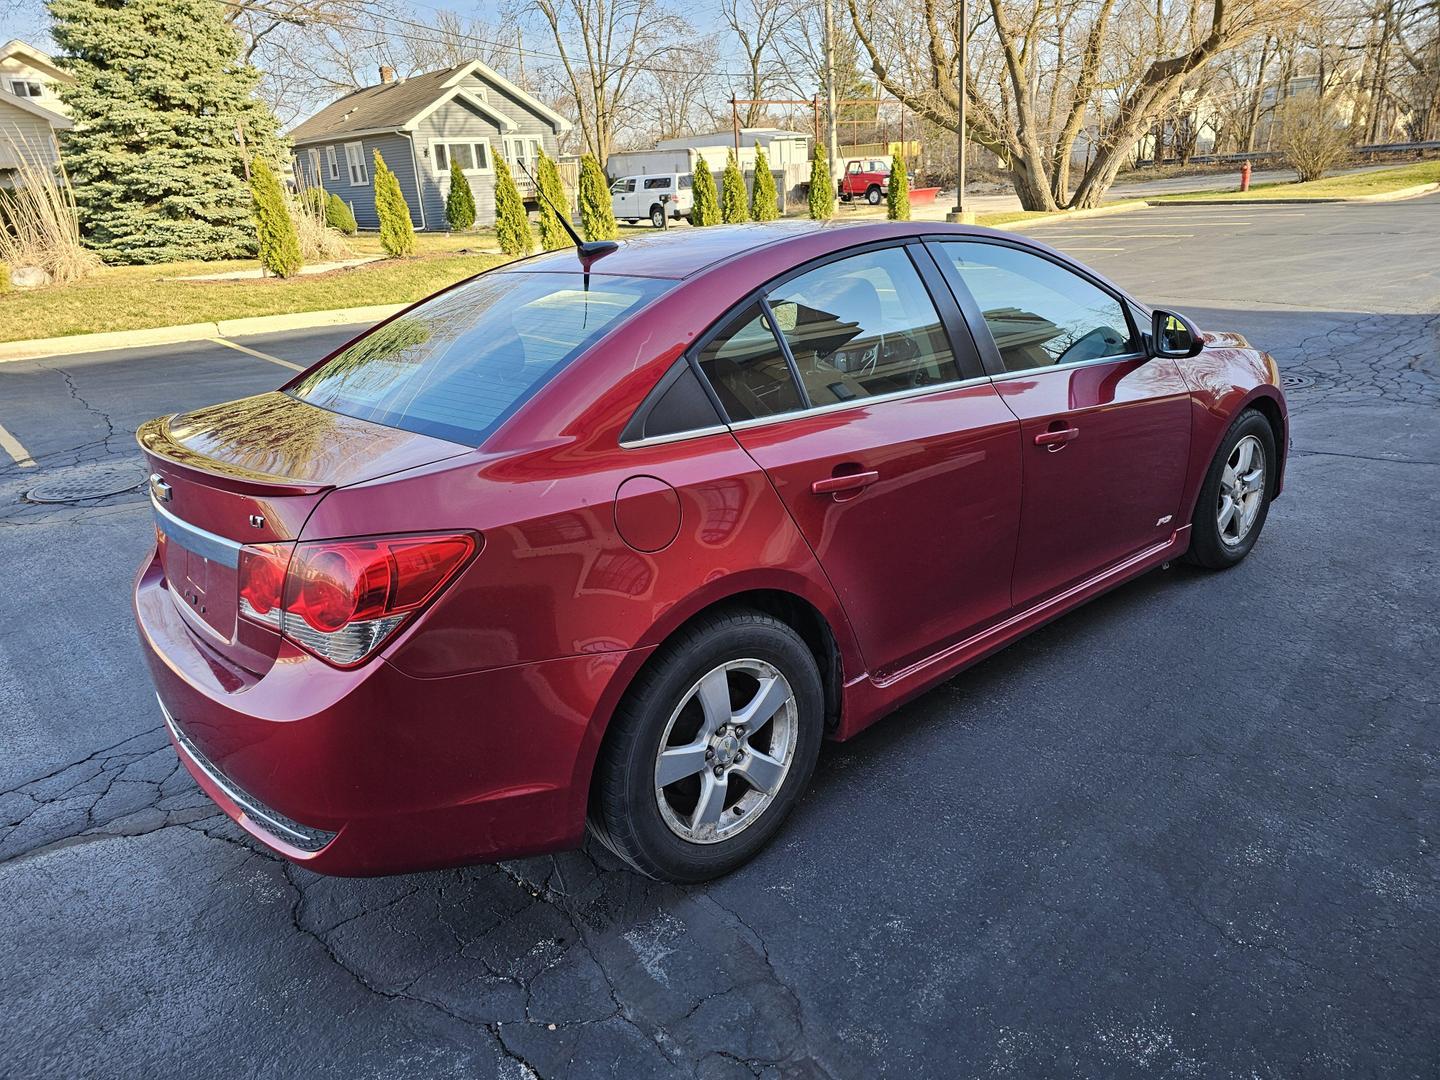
<point>597,217</point>
<point>764,203</point>
<point>822,191</point>
<point>512,225</point>
<point>460,202</point>
<point>397,234</point>
<point>279,246</point>
<point>898,195</point>
<point>547,177</point>
<point>339,216</point>
<point>706,210</point>
<point>732,193</point>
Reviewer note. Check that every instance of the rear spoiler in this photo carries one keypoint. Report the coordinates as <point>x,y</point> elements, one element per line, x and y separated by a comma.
<point>155,439</point>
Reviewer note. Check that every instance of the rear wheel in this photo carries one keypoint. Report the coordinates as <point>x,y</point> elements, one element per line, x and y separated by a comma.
<point>657,217</point>
<point>1235,498</point>
<point>711,748</point>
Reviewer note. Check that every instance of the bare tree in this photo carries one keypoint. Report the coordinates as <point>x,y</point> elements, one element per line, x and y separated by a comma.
<point>605,49</point>
<point>1038,68</point>
<point>756,25</point>
<point>1313,137</point>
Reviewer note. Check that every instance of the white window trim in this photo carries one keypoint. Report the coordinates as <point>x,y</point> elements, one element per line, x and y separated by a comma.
<point>332,162</point>
<point>27,84</point>
<point>360,160</point>
<point>482,141</point>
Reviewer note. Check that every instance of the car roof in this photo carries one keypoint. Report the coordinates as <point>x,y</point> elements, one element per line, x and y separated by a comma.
<point>681,253</point>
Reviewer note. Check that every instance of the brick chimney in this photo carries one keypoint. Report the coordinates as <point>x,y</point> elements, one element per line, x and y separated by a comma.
<point>387,74</point>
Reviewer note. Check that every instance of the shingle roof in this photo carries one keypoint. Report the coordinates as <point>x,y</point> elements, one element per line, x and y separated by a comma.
<point>376,108</point>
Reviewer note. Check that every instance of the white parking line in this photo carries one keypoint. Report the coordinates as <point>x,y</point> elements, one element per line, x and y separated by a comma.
<point>257,352</point>
<point>18,453</point>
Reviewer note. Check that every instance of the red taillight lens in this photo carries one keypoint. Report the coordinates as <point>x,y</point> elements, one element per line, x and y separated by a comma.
<point>342,599</point>
<point>261,574</point>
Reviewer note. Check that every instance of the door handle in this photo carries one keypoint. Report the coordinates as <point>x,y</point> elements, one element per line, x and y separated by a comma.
<point>832,485</point>
<point>1057,438</point>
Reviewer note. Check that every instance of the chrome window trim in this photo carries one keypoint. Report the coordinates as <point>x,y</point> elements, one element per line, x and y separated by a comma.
<point>195,539</point>
<point>840,406</point>
<point>1030,373</point>
<point>674,436</point>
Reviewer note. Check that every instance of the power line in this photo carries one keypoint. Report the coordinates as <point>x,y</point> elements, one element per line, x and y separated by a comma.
<point>434,33</point>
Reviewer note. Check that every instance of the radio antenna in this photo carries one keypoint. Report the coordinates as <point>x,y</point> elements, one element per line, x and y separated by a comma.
<point>588,249</point>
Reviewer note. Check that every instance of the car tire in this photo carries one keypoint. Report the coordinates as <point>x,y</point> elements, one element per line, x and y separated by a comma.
<point>657,217</point>
<point>1235,498</point>
<point>700,825</point>
<point>873,195</point>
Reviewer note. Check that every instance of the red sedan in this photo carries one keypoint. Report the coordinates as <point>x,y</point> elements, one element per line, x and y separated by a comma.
<point>620,537</point>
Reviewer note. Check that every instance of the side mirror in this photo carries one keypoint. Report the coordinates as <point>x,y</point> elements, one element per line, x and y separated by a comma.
<point>1173,336</point>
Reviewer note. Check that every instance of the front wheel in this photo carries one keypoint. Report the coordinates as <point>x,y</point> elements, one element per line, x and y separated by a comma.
<point>1235,498</point>
<point>873,196</point>
<point>711,748</point>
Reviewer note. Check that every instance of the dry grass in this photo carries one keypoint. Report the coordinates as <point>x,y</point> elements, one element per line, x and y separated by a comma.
<point>40,227</point>
<point>1346,186</point>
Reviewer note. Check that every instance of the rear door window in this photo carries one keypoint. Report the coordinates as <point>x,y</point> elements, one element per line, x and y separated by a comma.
<point>458,365</point>
<point>748,369</point>
<point>863,326</point>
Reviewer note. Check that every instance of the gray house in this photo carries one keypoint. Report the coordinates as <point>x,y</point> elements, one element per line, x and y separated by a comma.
<point>420,125</point>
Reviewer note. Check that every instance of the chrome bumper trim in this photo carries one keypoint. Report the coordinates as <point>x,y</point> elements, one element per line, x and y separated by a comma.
<point>282,828</point>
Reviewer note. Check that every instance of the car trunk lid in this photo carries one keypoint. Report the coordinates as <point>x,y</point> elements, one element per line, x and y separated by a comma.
<point>250,472</point>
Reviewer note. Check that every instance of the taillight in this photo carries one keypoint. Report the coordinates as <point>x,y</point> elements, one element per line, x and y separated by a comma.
<point>342,599</point>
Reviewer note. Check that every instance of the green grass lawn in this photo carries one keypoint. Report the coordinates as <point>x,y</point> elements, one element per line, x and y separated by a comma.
<point>1349,186</point>
<point>138,297</point>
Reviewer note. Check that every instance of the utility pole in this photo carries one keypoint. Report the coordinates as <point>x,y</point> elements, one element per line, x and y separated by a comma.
<point>834,146</point>
<point>959,215</point>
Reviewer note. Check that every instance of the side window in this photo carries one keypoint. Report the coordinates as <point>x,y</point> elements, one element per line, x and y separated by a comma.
<point>747,368</point>
<point>657,183</point>
<point>863,326</point>
<point>1039,313</point>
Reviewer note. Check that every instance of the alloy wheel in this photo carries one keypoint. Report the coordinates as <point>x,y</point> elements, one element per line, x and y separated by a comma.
<point>1242,491</point>
<point>726,751</point>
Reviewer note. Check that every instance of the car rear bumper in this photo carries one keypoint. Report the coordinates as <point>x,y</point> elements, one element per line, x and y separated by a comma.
<point>372,771</point>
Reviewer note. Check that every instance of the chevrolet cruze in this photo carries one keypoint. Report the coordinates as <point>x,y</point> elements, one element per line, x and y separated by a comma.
<point>619,537</point>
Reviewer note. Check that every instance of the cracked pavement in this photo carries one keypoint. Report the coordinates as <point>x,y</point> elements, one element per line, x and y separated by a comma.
<point>1188,830</point>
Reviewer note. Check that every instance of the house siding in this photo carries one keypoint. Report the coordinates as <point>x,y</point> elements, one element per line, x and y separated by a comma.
<point>426,193</point>
<point>394,148</point>
<point>457,120</point>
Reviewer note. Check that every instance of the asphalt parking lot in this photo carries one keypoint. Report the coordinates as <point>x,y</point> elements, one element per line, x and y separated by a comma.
<point>1188,830</point>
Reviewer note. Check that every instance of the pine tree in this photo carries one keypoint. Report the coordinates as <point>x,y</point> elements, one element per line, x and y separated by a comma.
<point>397,234</point>
<point>764,203</point>
<point>597,217</point>
<point>732,193</point>
<point>512,225</point>
<point>898,195</point>
<point>279,246</point>
<point>160,100</point>
<point>706,210</point>
<point>822,191</point>
<point>460,202</point>
<point>547,176</point>
<point>338,215</point>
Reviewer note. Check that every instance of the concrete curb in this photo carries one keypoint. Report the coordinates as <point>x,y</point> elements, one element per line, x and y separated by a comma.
<point>1070,215</point>
<point>1397,195</point>
<point>172,335</point>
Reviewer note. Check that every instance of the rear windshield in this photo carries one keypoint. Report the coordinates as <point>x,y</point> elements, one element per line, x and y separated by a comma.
<point>458,365</point>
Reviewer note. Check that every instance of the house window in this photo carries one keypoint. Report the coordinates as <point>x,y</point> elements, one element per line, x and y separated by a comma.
<point>313,179</point>
<point>355,161</point>
<point>473,156</point>
<point>25,88</point>
<point>332,163</point>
